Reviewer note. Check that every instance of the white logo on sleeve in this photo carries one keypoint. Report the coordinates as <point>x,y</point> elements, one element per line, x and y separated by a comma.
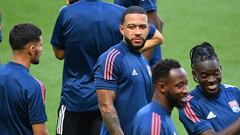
<point>211,115</point>
<point>134,72</point>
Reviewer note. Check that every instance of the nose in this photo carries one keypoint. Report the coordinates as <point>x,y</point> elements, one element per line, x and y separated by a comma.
<point>138,31</point>
<point>185,90</point>
<point>211,79</point>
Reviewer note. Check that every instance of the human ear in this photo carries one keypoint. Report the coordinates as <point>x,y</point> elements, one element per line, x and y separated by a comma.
<point>161,87</point>
<point>194,76</point>
<point>31,49</point>
<point>121,29</point>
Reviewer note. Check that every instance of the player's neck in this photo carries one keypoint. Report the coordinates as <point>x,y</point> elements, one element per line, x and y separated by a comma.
<point>162,100</point>
<point>21,58</point>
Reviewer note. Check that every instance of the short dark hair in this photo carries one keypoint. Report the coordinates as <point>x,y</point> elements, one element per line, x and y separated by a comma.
<point>22,34</point>
<point>73,1</point>
<point>132,10</point>
<point>202,52</point>
<point>162,69</point>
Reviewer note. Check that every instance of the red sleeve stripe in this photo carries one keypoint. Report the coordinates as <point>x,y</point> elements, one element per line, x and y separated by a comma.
<point>190,113</point>
<point>189,97</point>
<point>109,64</point>
<point>109,56</point>
<point>156,124</point>
<point>43,89</point>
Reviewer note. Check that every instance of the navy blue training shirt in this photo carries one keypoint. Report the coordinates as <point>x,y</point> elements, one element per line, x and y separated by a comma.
<point>128,73</point>
<point>217,112</point>
<point>21,100</point>
<point>85,30</point>
<point>153,119</point>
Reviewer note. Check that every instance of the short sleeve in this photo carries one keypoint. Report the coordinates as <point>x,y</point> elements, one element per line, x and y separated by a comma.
<point>36,103</point>
<point>152,31</point>
<point>193,120</point>
<point>148,5</point>
<point>107,71</point>
<point>141,124</point>
<point>57,39</point>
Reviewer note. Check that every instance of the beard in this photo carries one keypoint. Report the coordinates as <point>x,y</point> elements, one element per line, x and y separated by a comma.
<point>35,62</point>
<point>173,101</point>
<point>131,45</point>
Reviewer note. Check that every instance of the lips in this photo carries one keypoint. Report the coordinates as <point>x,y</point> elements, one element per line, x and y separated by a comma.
<point>212,87</point>
<point>137,40</point>
<point>184,99</point>
<point>182,102</point>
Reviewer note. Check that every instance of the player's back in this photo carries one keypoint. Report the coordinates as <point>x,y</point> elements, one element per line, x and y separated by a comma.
<point>88,28</point>
<point>15,81</point>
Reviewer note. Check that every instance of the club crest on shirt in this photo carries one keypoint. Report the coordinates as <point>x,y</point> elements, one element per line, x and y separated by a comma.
<point>234,106</point>
<point>149,71</point>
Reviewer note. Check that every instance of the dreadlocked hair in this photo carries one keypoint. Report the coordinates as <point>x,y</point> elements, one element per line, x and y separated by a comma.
<point>202,52</point>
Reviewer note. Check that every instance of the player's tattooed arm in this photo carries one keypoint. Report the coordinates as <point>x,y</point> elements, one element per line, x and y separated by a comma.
<point>106,105</point>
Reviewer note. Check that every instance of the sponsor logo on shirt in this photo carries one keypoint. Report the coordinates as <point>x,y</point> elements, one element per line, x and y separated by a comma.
<point>234,106</point>
<point>211,115</point>
<point>134,72</point>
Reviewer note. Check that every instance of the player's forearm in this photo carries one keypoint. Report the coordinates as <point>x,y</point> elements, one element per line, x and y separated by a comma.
<point>150,44</point>
<point>148,54</point>
<point>233,129</point>
<point>108,111</point>
<point>156,40</point>
<point>59,53</point>
<point>111,120</point>
<point>39,129</point>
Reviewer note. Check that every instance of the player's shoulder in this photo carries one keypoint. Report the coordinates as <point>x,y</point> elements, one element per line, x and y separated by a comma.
<point>114,6</point>
<point>2,66</point>
<point>145,113</point>
<point>2,71</point>
<point>195,95</point>
<point>227,88</point>
<point>149,109</point>
<point>31,82</point>
<point>116,52</point>
<point>62,8</point>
